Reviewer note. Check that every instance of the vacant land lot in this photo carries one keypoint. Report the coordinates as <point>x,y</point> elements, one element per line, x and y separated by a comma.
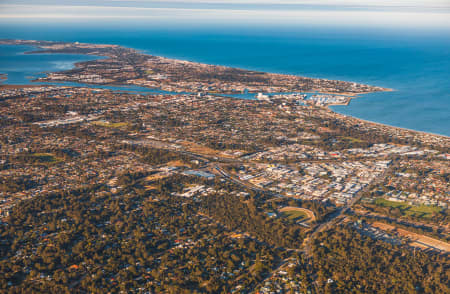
<point>157,176</point>
<point>416,240</point>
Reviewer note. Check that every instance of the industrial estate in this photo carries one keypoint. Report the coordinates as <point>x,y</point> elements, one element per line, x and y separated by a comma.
<point>192,189</point>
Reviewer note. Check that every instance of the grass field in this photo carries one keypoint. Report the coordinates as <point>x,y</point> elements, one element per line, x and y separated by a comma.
<point>45,158</point>
<point>109,124</point>
<point>353,140</point>
<point>294,215</point>
<point>410,210</point>
<point>297,213</point>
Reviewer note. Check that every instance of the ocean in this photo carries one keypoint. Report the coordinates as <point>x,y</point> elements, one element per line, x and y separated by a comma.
<point>415,64</point>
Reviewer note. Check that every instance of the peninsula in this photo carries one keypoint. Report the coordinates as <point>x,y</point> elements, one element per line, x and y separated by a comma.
<point>125,66</point>
<point>195,192</point>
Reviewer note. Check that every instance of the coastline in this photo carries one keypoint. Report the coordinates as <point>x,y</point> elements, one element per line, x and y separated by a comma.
<point>354,95</point>
<point>14,86</point>
<point>224,79</point>
<point>349,94</point>
<point>386,125</point>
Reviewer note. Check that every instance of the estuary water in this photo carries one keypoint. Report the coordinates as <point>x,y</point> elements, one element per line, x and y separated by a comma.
<point>415,64</point>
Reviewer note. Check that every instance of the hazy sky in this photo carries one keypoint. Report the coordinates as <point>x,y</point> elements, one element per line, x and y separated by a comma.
<point>372,13</point>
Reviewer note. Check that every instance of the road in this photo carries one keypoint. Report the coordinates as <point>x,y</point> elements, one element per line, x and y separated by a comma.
<point>335,217</point>
<point>213,164</point>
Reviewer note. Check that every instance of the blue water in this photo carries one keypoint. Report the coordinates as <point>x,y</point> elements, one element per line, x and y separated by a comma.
<point>22,67</point>
<point>416,65</point>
